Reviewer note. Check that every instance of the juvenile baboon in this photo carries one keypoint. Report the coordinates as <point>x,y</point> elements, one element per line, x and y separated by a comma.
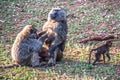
<point>104,50</point>
<point>44,54</point>
<point>26,47</point>
<point>56,29</point>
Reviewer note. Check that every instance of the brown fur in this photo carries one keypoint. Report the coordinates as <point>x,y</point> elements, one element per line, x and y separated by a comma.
<point>44,54</point>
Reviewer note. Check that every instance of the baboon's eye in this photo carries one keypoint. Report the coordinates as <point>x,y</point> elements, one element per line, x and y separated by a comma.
<point>55,13</point>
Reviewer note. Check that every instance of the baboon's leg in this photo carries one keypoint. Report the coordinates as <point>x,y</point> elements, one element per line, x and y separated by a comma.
<point>53,55</point>
<point>107,54</point>
<point>59,51</point>
<point>35,59</point>
<point>52,49</point>
<point>104,57</point>
<point>97,58</point>
<point>89,61</point>
<point>62,46</point>
<point>24,57</point>
<point>26,62</point>
<point>59,54</point>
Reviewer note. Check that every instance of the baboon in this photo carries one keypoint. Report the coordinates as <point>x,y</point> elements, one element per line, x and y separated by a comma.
<point>56,29</point>
<point>102,50</point>
<point>44,54</point>
<point>26,47</point>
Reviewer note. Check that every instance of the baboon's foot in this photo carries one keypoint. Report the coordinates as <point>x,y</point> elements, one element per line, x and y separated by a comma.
<point>35,62</point>
<point>35,65</point>
<point>51,62</point>
<point>94,64</point>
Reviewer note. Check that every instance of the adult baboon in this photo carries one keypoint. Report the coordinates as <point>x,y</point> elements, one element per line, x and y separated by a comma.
<point>26,47</point>
<point>102,50</point>
<point>56,29</point>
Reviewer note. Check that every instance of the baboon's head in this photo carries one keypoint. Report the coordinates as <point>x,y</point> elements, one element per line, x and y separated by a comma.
<point>109,43</point>
<point>57,14</point>
<point>30,31</point>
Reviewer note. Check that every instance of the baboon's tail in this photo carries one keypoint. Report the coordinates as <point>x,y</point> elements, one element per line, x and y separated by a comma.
<point>90,56</point>
<point>9,66</point>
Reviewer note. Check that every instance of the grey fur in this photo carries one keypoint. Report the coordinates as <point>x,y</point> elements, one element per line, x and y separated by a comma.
<point>26,47</point>
<point>56,28</point>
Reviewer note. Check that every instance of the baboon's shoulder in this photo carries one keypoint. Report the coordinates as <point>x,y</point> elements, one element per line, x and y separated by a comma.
<point>54,25</point>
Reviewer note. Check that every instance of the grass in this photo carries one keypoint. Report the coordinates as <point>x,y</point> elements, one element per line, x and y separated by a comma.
<point>85,18</point>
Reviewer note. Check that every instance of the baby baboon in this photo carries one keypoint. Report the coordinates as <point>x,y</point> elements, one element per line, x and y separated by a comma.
<point>44,54</point>
<point>56,29</point>
<point>26,47</point>
<point>104,50</point>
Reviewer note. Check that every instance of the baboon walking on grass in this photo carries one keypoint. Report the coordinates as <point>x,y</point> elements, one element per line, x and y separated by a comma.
<point>102,50</point>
